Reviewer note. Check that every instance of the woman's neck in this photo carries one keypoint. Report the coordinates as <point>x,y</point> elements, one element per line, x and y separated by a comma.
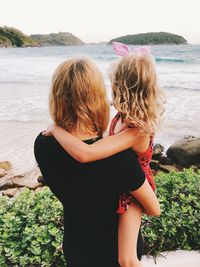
<point>83,134</point>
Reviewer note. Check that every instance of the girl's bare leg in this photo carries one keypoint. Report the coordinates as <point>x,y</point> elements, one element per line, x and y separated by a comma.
<point>128,229</point>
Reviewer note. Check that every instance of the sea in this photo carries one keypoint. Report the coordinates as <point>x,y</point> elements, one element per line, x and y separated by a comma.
<point>25,79</point>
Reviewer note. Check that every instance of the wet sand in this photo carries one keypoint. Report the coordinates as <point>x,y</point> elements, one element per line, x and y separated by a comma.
<point>17,139</point>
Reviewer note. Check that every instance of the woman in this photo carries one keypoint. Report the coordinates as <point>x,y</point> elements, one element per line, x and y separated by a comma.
<point>89,192</point>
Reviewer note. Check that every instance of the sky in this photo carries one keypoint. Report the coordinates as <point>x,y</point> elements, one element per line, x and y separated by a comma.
<point>102,20</point>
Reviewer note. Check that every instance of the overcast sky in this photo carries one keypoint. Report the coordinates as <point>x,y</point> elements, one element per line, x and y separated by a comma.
<point>102,20</point>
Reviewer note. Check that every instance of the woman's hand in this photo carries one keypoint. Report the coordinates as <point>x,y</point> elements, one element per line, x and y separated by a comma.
<point>50,130</point>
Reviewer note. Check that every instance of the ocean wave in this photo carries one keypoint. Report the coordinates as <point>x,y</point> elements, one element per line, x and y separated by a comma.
<point>31,82</point>
<point>170,59</point>
<point>181,88</point>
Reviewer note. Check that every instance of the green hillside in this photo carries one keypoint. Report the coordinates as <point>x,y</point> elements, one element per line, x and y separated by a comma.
<point>155,38</point>
<point>56,39</point>
<point>11,37</point>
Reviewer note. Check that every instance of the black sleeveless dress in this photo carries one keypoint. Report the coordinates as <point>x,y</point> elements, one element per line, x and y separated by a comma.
<point>89,194</point>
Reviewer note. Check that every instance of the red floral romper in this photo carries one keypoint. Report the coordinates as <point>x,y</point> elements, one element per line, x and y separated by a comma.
<point>144,160</point>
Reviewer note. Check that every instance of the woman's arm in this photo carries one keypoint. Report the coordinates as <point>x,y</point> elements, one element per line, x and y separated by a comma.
<point>147,198</point>
<point>103,148</point>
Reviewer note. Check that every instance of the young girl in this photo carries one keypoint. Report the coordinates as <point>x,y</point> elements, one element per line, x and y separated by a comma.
<point>137,98</point>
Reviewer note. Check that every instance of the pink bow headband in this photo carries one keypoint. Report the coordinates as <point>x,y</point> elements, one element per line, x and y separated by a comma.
<point>124,50</point>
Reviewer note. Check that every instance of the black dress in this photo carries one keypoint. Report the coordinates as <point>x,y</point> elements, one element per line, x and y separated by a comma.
<point>89,194</point>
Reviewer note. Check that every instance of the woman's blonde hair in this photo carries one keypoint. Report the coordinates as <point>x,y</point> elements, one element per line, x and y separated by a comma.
<point>136,94</point>
<point>78,97</point>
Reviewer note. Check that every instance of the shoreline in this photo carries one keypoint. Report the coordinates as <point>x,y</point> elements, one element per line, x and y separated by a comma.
<point>17,142</point>
<point>17,139</point>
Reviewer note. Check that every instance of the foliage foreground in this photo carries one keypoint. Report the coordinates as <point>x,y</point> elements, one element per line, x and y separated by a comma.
<point>31,226</point>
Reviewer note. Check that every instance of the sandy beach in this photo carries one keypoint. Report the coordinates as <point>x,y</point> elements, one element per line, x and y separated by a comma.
<point>17,140</point>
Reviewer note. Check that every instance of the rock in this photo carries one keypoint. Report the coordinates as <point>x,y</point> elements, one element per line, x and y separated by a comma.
<point>19,191</point>
<point>185,152</point>
<point>29,179</point>
<point>40,179</point>
<point>6,165</point>
<point>9,192</point>
<point>194,168</point>
<point>154,164</point>
<point>39,189</point>
<point>7,180</point>
<point>157,151</point>
<point>34,186</point>
<point>2,172</point>
<point>165,160</point>
<point>187,137</point>
<point>168,168</point>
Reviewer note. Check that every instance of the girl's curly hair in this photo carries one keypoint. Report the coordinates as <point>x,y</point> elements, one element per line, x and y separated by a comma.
<point>136,94</point>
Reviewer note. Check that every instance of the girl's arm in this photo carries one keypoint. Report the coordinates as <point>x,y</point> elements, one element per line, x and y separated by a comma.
<point>103,148</point>
<point>147,198</point>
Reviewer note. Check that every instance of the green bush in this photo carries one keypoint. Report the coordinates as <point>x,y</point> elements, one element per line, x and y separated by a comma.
<point>178,225</point>
<point>31,230</point>
<point>31,226</point>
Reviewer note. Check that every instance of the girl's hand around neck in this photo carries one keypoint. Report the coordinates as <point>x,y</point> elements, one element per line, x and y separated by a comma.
<point>51,129</point>
<point>103,148</point>
<point>82,133</point>
<point>84,136</point>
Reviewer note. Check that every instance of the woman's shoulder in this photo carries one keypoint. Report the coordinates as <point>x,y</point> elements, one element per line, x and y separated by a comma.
<point>42,139</point>
<point>45,143</point>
